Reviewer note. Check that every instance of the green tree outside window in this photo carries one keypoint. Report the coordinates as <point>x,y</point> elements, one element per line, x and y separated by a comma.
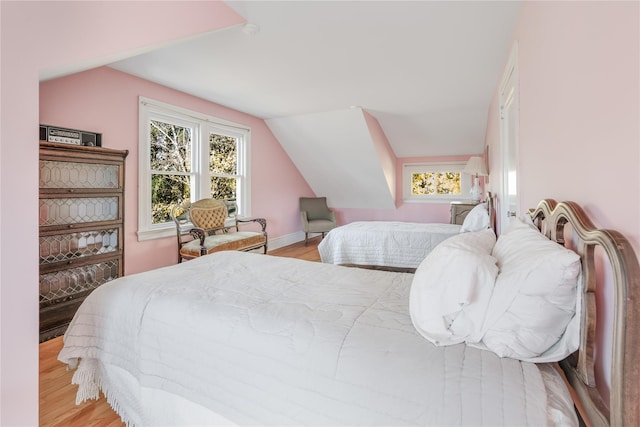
<point>171,169</point>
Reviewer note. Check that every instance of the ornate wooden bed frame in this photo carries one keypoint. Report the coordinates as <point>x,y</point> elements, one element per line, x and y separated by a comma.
<point>551,218</point>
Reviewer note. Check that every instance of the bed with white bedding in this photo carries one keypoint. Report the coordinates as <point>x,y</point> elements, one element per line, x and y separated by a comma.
<point>264,340</point>
<point>248,339</point>
<point>393,245</point>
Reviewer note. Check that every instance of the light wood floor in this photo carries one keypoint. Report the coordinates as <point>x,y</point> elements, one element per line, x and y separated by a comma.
<point>58,395</point>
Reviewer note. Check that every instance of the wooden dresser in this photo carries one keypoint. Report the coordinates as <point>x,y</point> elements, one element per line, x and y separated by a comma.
<point>81,213</point>
<point>459,211</point>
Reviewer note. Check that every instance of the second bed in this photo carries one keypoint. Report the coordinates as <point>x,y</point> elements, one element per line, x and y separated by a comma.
<point>394,245</point>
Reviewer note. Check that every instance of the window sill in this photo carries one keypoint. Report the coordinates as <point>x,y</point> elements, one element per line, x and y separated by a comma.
<point>158,233</point>
<point>170,230</point>
<point>444,201</point>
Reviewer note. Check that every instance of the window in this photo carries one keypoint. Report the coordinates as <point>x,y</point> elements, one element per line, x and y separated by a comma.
<point>426,182</point>
<point>186,155</point>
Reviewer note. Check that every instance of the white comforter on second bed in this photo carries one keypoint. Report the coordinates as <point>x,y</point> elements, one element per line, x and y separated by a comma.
<point>262,340</point>
<point>383,243</point>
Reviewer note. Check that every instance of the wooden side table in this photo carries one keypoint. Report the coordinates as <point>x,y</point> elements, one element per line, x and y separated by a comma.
<point>459,211</point>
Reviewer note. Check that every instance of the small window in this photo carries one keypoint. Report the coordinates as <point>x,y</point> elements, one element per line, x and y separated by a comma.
<point>223,165</point>
<point>170,161</point>
<point>434,182</point>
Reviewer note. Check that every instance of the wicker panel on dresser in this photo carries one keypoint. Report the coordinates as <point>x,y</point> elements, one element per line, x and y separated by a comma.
<point>81,216</point>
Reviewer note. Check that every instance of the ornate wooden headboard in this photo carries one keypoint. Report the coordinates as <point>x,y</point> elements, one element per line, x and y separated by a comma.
<point>551,218</point>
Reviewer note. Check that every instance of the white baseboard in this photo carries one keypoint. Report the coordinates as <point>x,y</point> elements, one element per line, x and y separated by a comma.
<point>286,240</point>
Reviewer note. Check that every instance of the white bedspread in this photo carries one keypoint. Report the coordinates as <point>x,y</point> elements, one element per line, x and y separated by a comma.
<point>262,340</point>
<point>383,243</point>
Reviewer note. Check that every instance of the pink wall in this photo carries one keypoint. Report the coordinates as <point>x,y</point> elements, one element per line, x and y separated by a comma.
<point>579,118</point>
<point>410,212</point>
<point>29,45</point>
<point>101,30</point>
<point>276,183</point>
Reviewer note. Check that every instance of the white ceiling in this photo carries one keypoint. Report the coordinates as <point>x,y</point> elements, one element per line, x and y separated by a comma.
<point>425,69</point>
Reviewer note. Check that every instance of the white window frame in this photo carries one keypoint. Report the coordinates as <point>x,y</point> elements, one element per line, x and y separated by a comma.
<point>410,168</point>
<point>202,125</point>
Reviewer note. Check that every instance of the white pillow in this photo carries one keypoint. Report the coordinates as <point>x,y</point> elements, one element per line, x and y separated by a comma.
<point>477,219</point>
<point>452,287</point>
<point>534,299</point>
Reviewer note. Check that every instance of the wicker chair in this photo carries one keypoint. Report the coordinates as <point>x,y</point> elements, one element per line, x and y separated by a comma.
<point>316,217</point>
<point>202,228</point>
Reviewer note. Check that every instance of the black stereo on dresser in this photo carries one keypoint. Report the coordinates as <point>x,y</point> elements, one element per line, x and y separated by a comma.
<point>70,136</point>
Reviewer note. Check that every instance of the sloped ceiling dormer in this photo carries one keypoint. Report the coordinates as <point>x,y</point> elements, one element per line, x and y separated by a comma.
<point>343,155</point>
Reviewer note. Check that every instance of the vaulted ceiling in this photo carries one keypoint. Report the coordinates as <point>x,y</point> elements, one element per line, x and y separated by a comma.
<point>426,70</point>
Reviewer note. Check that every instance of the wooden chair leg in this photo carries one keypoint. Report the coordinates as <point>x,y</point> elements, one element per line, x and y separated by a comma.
<point>306,238</point>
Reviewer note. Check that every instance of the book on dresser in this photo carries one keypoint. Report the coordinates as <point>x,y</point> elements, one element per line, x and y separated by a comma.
<point>81,219</point>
